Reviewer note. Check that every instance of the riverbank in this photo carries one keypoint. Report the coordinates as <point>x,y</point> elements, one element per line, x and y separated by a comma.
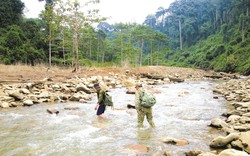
<point>26,86</point>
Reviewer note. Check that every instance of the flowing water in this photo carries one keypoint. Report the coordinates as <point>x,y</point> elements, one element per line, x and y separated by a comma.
<point>183,111</point>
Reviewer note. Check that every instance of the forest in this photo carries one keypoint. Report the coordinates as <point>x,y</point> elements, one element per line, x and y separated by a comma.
<point>206,34</point>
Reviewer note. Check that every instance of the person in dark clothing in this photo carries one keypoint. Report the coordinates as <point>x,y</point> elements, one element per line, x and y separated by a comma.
<point>100,107</point>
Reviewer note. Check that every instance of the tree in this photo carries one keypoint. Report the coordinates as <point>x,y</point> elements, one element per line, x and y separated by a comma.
<point>48,16</point>
<point>78,19</point>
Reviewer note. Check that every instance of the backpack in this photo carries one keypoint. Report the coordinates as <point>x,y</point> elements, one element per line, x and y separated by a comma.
<point>148,99</point>
<point>108,100</point>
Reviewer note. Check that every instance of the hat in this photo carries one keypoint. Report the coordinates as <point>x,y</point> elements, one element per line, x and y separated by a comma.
<point>138,84</point>
<point>96,85</point>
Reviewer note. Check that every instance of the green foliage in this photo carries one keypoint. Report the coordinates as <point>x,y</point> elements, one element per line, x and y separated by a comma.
<point>10,12</point>
<point>214,35</point>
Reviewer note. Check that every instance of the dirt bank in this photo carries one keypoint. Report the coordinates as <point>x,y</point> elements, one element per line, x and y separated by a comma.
<point>20,73</point>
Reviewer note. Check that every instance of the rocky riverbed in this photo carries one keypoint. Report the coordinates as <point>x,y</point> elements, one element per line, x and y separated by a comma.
<point>53,86</point>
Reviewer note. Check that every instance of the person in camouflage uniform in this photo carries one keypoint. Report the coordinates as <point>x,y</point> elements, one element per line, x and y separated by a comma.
<point>142,111</point>
<point>100,107</point>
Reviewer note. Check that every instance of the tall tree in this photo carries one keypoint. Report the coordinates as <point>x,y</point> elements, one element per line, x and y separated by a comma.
<point>48,16</point>
<point>78,19</point>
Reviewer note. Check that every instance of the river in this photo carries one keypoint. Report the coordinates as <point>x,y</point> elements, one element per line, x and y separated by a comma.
<point>183,111</point>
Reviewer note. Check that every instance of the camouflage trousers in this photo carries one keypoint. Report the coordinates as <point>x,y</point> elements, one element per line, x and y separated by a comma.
<point>142,112</point>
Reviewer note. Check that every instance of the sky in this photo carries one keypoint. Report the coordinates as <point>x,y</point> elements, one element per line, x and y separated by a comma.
<point>125,11</point>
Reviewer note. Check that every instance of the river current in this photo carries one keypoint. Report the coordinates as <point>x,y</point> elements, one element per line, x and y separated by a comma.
<point>183,111</point>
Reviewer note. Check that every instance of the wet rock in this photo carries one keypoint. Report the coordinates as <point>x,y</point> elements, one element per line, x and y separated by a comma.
<point>52,111</point>
<point>241,104</point>
<point>4,104</point>
<point>82,101</point>
<point>28,103</point>
<point>243,142</point>
<point>193,153</point>
<point>232,112</point>
<point>220,141</point>
<point>80,95</point>
<point>24,91</point>
<point>233,152</point>
<point>71,108</point>
<point>83,88</point>
<point>7,99</point>
<point>218,91</point>
<point>16,95</point>
<point>242,128</point>
<point>214,76</point>
<point>173,79</point>
<point>177,142</point>
<point>56,87</point>
<point>129,106</point>
<point>233,118</point>
<point>218,123</point>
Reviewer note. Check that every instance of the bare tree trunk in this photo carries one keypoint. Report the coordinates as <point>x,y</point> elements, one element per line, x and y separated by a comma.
<point>151,53</point>
<point>142,43</point>
<point>98,49</point>
<point>73,55</point>
<point>50,40</point>
<point>76,49</point>
<point>121,50</point>
<point>90,49</point>
<point>64,59</point>
<point>180,34</point>
<point>103,53</point>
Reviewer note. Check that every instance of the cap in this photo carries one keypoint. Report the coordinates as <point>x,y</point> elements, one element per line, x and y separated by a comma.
<point>138,84</point>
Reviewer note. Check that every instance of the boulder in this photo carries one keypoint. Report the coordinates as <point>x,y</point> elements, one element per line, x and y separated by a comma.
<point>243,142</point>
<point>52,111</point>
<point>233,152</point>
<point>218,123</point>
<point>28,103</point>
<point>223,141</point>
<point>4,104</point>
<point>24,91</point>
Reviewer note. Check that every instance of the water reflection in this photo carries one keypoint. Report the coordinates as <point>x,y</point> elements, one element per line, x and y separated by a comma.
<point>144,134</point>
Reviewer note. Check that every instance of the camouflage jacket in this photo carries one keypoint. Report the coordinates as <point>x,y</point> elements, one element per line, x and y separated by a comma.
<point>138,98</point>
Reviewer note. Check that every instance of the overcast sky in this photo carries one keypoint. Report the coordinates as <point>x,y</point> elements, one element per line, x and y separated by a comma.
<point>118,10</point>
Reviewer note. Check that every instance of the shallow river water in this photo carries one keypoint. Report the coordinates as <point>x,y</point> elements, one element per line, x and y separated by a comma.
<point>183,111</point>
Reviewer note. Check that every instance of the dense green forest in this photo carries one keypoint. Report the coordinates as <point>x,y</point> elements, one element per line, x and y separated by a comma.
<point>208,34</point>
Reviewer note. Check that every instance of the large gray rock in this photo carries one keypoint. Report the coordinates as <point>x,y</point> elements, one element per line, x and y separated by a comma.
<point>52,111</point>
<point>28,103</point>
<point>16,95</point>
<point>223,141</point>
<point>218,123</point>
<point>243,142</point>
<point>4,104</point>
<point>233,152</point>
